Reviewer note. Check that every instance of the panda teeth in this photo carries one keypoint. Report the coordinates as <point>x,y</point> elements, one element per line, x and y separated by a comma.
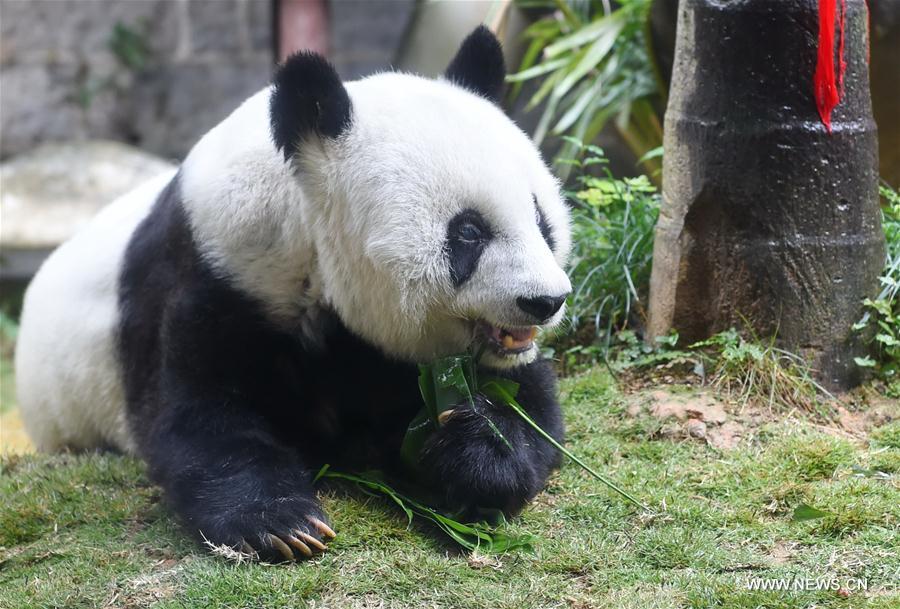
<point>518,339</point>
<point>512,340</point>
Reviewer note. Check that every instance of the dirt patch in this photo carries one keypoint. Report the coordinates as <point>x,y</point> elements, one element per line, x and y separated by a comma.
<point>727,436</point>
<point>781,553</point>
<point>697,406</point>
<point>688,412</point>
<point>860,416</point>
<point>477,561</point>
<point>694,412</point>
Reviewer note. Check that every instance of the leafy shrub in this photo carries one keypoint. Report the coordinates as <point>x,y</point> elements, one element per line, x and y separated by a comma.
<point>612,245</point>
<point>594,65</point>
<point>882,316</point>
<point>738,367</point>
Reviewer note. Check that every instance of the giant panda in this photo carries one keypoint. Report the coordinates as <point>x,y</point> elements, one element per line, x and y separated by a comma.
<point>262,311</point>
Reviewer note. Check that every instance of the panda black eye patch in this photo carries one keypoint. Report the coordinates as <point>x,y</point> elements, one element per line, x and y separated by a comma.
<point>543,224</point>
<point>467,236</point>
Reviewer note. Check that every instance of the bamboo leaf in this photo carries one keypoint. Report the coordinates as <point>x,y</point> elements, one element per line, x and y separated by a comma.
<point>472,536</point>
<point>577,109</point>
<point>544,28</point>
<point>528,59</point>
<point>541,129</point>
<point>416,435</point>
<point>584,35</point>
<point>595,54</point>
<point>805,512</point>
<point>538,70</point>
<point>655,153</point>
<point>544,90</point>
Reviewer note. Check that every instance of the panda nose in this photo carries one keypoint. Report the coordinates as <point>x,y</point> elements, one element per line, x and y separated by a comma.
<point>541,307</point>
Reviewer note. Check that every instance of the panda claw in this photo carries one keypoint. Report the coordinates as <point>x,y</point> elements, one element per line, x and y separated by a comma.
<point>299,545</point>
<point>246,548</point>
<point>323,528</point>
<point>282,547</point>
<point>310,540</point>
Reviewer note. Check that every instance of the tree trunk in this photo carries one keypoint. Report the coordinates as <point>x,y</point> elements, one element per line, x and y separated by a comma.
<point>767,217</point>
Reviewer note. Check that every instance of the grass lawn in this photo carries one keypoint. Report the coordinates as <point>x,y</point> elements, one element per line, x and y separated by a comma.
<point>90,531</point>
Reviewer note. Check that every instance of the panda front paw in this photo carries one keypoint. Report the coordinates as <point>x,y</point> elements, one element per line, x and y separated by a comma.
<point>482,458</point>
<point>273,530</point>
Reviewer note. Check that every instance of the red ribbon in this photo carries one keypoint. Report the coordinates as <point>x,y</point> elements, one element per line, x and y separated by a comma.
<point>828,82</point>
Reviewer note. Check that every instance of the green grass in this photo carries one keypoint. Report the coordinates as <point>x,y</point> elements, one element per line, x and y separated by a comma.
<point>90,531</point>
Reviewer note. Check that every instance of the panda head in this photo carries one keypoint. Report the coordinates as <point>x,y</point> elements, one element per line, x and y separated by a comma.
<point>437,225</point>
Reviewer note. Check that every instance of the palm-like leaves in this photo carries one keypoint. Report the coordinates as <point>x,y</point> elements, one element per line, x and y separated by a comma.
<point>594,69</point>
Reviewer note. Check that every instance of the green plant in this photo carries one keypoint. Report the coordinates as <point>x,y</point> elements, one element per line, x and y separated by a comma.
<point>882,317</point>
<point>595,66</point>
<point>738,367</point>
<point>449,380</point>
<point>131,49</point>
<point>445,384</point>
<point>629,351</point>
<point>612,245</point>
<point>130,46</point>
<point>471,536</point>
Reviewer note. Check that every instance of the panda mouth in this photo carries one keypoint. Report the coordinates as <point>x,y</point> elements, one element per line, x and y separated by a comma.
<point>509,341</point>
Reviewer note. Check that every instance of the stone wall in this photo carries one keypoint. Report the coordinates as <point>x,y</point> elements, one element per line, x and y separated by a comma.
<point>155,73</point>
<point>365,34</point>
<point>158,73</point>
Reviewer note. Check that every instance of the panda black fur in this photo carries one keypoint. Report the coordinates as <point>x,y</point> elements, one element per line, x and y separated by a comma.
<point>248,340</point>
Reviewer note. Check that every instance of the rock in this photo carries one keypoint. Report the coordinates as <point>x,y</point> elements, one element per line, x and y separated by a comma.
<point>697,415</point>
<point>52,191</point>
<point>696,428</point>
<point>668,409</point>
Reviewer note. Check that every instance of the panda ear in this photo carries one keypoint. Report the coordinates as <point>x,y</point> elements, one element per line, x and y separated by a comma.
<point>307,97</point>
<point>478,65</point>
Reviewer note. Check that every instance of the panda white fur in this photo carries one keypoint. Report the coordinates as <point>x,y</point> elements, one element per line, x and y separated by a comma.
<point>261,312</point>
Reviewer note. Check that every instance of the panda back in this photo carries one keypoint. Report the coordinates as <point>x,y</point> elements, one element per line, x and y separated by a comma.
<point>68,376</point>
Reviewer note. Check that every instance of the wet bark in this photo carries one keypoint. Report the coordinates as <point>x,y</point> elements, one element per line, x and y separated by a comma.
<point>767,218</point>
